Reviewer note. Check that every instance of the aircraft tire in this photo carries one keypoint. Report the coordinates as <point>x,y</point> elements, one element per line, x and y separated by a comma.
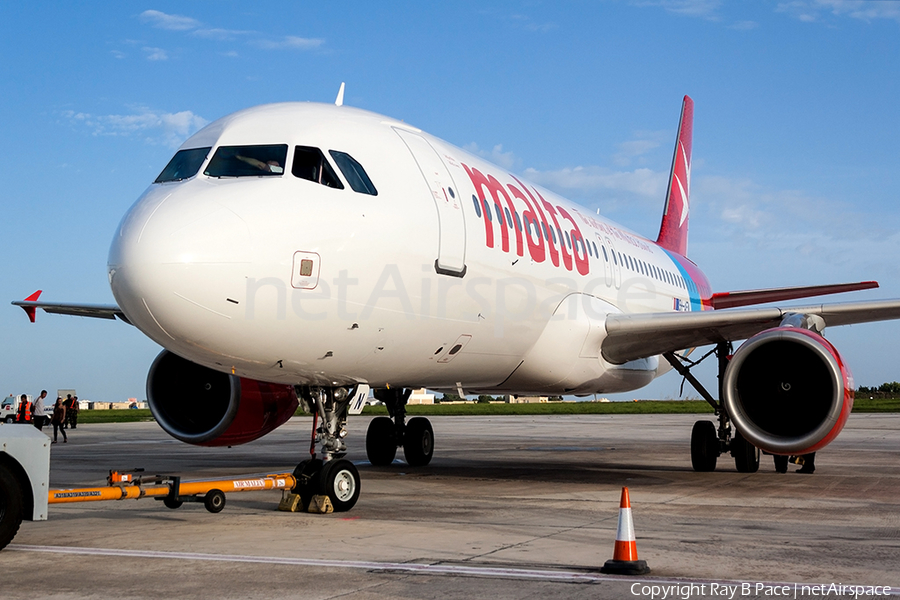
<point>381,441</point>
<point>418,442</point>
<point>12,505</point>
<point>746,455</point>
<point>339,480</point>
<point>307,474</point>
<point>704,446</point>
<point>214,501</point>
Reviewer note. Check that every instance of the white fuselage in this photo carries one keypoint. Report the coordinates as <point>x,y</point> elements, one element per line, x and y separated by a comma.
<point>284,279</point>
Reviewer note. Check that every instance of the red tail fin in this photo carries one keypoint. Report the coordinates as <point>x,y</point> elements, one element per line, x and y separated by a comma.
<point>673,232</point>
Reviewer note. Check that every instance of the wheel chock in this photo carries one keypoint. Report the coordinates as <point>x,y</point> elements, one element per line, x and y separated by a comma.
<point>320,505</point>
<point>290,502</point>
<point>625,558</point>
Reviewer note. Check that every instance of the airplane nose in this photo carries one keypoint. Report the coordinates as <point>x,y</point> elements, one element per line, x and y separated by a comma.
<point>174,254</point>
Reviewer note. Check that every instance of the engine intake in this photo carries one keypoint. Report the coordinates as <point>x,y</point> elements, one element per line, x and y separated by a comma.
<point>788,391</point>
<point>201,406</point>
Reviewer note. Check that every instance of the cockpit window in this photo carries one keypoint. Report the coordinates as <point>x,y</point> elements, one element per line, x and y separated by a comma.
<point>183,165</point>
<point>354,173</point>
<point>247,161</point>
<point>311,164</point>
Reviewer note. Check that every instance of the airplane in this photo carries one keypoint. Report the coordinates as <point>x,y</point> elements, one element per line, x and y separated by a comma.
<point>304,253</point>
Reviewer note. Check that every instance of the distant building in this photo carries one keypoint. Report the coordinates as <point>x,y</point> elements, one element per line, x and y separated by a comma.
<point>421,396</point>
<point>528,399</point>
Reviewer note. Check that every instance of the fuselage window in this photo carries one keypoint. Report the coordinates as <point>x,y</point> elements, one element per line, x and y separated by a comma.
<point>590,250</point>
<point>311,164</point>
<point>487,210</point>
<point>499,214</point>
<point>477,206</point>
<point>183,165</point>
<point>248,161</point>
<point>509,221</point>
<point>355,174</point>
<point>518,222</point>
<point>568,241</point>
<point>605,256</point>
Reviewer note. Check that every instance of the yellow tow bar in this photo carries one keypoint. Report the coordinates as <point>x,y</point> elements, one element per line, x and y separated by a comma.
<point>171,490</point>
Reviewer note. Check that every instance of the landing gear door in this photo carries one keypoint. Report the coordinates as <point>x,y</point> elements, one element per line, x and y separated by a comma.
<point>451,258</point>
<point>358,402</point>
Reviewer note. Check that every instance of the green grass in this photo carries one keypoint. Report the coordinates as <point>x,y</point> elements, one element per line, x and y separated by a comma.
<point>878,405</point>
<point>128,415</point>
<point>643,407</point>
<point>554,408</point>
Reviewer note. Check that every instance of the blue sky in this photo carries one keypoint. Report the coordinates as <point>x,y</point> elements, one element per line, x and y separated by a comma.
<point>796,134</point>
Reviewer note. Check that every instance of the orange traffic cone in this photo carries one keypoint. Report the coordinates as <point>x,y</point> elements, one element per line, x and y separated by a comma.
<point>625,558</point>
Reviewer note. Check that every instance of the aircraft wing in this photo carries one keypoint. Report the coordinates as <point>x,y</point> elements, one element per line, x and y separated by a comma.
<point>99,311</point>
<point>634,336</point>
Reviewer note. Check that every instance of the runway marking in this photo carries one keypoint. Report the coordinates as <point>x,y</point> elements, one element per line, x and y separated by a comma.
<point>418,568</point>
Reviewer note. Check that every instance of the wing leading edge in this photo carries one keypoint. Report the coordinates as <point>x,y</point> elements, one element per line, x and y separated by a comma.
<point>635,336</point>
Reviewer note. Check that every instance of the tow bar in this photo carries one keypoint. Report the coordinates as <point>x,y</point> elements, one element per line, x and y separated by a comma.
<point>170,489</point>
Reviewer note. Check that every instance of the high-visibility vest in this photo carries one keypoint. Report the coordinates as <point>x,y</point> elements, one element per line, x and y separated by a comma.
<point>25,412</point>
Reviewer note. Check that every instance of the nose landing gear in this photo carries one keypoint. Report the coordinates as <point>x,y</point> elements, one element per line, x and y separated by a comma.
<point>332,475</point>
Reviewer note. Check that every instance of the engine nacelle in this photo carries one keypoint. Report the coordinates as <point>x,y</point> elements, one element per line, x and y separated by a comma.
<point>788,391</point>
<point>201,406</point>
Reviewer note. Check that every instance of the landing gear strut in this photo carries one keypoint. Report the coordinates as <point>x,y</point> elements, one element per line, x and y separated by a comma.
<point>708,441</point>
<point>386,434</point>
<point>331,475</point>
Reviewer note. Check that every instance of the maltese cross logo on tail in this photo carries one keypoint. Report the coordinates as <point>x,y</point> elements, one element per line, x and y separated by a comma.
<point>674,228</point>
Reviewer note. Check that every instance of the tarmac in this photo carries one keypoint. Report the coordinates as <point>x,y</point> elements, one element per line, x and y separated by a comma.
<point>510,507</point>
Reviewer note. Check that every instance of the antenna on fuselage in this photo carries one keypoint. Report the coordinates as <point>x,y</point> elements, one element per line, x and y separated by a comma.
<point>339,101</point>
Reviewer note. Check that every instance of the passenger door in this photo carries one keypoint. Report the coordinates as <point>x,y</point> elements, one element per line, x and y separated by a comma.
<point>451,258</point>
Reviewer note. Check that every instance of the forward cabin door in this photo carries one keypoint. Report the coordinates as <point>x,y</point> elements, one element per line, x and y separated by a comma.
<point>451,256</point>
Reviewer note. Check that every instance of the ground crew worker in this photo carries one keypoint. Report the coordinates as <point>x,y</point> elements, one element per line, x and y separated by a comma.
<point>807,463</point>
<point>37,411</point>
<point>68,404</point>
<point>23,415</point>
<point>72,413</point>
<point>57,420</point>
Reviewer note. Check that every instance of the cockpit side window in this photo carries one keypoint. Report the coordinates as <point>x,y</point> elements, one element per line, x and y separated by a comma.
<point>183,165</point>
<point>311,164</point>
<point>354,173</point>
<point>248,161</point>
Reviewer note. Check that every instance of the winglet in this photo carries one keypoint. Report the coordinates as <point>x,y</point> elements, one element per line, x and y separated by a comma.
<point>339,101</point>
<point>31,310</point>
<point>673,231</point>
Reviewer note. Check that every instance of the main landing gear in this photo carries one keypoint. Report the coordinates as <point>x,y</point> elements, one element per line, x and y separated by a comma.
<point>708,442</point>
<point>331,475</point>
<point>386,434</point>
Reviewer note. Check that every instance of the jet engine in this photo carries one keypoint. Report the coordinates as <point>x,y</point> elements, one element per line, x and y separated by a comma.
<point>201,406</point>
<point>788,391</point>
